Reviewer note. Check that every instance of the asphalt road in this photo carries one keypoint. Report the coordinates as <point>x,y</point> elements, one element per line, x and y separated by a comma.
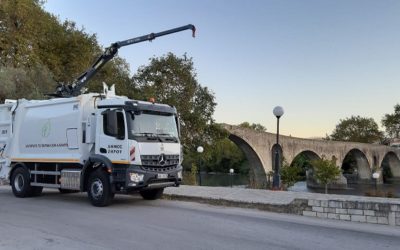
<point>68,221</point>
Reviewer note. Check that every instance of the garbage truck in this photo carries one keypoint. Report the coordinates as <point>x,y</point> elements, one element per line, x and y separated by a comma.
<point>98,143</point>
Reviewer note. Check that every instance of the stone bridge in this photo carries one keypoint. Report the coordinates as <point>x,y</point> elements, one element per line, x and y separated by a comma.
<point>259,148</point>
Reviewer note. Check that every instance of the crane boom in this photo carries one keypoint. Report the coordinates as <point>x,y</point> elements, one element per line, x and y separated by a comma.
<point>74,89</point>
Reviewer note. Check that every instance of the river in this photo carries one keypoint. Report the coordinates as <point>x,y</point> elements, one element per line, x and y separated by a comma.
<point>236,180</point>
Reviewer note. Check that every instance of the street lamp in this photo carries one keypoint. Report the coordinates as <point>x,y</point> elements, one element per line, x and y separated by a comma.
<point>376,176</point>
<point>200,150</point>
<point>231,172</point>
<point>278,112</point>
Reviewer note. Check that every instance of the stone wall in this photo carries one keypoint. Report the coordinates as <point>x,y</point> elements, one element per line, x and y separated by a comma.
<point>358,211</point>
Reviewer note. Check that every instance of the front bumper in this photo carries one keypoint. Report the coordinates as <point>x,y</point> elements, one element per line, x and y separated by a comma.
<point>148,178</point>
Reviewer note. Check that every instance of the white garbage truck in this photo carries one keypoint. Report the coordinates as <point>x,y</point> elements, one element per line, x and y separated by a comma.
<point>101,144</point>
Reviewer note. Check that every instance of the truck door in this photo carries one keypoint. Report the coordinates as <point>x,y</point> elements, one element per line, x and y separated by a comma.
<point>112,136</point>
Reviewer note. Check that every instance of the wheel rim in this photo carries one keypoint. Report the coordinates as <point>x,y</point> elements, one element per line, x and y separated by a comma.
<point>96,189</point>
<point>19,182</point>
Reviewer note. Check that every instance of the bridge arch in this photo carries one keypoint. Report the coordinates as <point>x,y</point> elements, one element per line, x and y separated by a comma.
<point>309,155</point>
<point>390,166</point>
<point>303,160</point>
<point>257,171</point>
<point>355,166</point>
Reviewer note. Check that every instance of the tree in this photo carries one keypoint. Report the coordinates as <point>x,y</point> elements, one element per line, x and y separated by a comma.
<point>290,174</point>
<point>391,122</point>
<point>357,129</point>
<point>255,126</point>
<point>173,80</point>
<point>325,171</point>
<point>36,53</point>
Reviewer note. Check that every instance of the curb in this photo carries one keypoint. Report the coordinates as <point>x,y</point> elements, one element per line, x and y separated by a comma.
<point>295,207</point>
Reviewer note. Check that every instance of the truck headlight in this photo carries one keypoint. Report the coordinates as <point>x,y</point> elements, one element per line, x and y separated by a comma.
<point>180,175</point>
<point>135,177</point>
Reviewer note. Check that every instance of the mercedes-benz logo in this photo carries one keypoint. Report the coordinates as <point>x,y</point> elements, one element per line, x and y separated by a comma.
<point>161,159</point>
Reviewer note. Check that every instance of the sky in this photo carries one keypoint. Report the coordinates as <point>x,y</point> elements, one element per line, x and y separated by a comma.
<point>320,60</point>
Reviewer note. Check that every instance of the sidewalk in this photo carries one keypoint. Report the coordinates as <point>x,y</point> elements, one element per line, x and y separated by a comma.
<point>340,207</point>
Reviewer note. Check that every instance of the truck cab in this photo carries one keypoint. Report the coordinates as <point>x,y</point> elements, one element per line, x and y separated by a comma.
<point>141,139</point>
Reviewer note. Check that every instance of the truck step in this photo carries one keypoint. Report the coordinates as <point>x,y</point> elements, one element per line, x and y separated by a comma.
<point>37,184</point>
<point>46,172</point>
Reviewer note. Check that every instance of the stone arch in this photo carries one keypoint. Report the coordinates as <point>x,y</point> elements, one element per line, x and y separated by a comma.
<point>256,166</point>
<point>307,173</point>
<point>309,154</point>
<point>355,166</point>
<point>390,167</point>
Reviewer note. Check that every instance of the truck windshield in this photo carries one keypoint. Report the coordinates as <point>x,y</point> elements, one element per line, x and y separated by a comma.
<point>152,126</point>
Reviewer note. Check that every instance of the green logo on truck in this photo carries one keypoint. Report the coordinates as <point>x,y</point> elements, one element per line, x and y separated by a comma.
<point>46,129</point>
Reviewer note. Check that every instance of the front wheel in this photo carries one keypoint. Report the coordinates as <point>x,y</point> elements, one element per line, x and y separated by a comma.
<point>21,183</point>
<point>152,194</point>
<point>99,189</point>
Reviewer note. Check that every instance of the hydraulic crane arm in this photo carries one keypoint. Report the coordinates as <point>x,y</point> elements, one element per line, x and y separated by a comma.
<point>75,88</point>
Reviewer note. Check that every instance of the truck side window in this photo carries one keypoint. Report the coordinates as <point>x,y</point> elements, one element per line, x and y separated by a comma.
<point>113,124</point>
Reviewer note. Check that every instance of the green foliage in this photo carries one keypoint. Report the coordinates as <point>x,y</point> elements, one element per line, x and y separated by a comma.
<point>391,123</point>
<point>290,174</point>
<point>357,129</point>
<point>303,162</point>
<point>224,155</point>
<point>35,53</point>
<point>22,82</point>
<point>190,177</point>
<point>255,126</point>
<point>325,171</point>
<point>172,80</point>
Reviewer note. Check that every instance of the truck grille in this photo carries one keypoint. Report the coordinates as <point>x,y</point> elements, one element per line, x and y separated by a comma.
<point>159,163</point>
<point>159,169</point>
<point>159,160</point>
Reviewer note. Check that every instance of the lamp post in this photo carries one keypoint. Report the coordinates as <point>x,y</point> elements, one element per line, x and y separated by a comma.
<point>231,172</point>
<point>278,112</point>
<point>200,150</point>
<point>376,176</point>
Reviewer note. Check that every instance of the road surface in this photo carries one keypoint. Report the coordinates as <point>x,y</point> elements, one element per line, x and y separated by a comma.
<point>68,221</point>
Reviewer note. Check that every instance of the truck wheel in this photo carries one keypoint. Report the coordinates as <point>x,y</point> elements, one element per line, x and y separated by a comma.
<point>21,183</point>
<point>99,189</point>
<point>152,194</point>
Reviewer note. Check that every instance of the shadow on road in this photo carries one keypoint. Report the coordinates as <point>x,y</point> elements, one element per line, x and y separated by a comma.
<point>51,195</point>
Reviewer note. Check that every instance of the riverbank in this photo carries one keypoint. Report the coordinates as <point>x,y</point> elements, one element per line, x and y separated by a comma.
<point>340,207</point>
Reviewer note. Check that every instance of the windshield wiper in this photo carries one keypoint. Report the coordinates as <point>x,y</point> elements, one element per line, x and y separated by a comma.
<point>169,137</point>
<point>149,136</point>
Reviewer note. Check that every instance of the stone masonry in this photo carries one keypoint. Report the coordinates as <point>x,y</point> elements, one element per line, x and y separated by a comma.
<point>258,149</point>
<point>357,211</point>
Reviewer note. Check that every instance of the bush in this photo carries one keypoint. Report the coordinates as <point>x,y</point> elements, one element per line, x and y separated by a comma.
<point>325,171</point>
<point>190,178</point>
<point>290,174</point>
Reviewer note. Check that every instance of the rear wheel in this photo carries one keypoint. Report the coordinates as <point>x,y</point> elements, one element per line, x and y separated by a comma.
<point>21,183</point>
<point>152,194</point>
<point>99,189</point>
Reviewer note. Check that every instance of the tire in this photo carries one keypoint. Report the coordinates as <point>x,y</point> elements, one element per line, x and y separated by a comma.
<point>99,189</point>
<point>152,194</point>
<point>21,183</point>
<point>67,191</point>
